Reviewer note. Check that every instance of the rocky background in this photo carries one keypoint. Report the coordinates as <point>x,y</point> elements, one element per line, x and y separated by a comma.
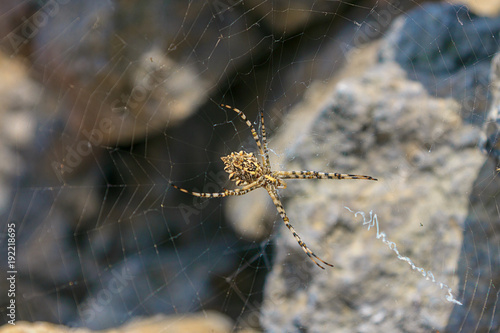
<point>103,105</point>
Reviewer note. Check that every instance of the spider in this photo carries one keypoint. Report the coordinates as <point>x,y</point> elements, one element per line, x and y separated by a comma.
<point>247,171</point>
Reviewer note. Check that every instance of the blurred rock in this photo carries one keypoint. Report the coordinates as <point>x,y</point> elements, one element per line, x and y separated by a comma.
<point>490,139</point>
<point>147,274</point>
<point>18,97</point>
<point>208,321</point>
<point>479,264</point>
<point>481,7</point>
<point>482,230</point>
<point>141,66</point>
<point>425,44</point>
<point>251,217</point>
<point>286,18</point>
<point>88,79</point>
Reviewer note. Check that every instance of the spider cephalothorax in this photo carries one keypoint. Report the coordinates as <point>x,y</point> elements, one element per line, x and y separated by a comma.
<point>245,169</point>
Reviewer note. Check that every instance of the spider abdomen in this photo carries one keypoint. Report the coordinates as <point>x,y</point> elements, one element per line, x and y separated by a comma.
<point>243,168</point>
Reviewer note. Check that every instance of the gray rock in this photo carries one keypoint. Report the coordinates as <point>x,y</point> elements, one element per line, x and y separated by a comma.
<point>383,124</point>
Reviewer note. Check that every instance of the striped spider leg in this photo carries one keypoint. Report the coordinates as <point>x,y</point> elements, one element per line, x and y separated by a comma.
<point>248,172</point>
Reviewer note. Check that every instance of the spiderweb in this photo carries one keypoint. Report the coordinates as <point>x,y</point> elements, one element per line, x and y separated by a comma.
<point>105,104</point>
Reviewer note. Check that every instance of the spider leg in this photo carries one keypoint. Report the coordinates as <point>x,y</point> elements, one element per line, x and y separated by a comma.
<point>318,175</point>
<point>254,133</point>
<point>281,211</point>
<point>264,140</point>
<point>237,191</point>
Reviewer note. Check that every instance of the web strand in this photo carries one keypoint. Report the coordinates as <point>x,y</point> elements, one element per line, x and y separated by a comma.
<point>372,221</point>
